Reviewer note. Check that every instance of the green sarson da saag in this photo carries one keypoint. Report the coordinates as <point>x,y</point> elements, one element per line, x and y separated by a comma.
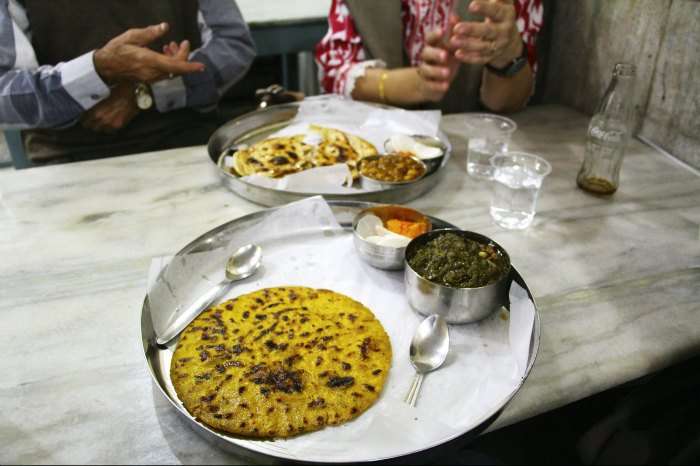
<point>458,262</point>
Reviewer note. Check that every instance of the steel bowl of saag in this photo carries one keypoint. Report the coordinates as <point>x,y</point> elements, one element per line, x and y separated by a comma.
<point>460,275</point>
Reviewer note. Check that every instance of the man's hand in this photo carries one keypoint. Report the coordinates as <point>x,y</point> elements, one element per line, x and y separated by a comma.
<point>495,41</point>
<point>438,68</point>
<point>113,113</point>
<point>126,58</point>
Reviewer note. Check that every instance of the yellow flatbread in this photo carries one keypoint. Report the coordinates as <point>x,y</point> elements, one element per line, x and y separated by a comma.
<point>280,362</point>
<point>275,157</point>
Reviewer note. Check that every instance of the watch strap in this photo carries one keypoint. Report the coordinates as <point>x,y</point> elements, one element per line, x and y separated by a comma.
<point>513,67</point>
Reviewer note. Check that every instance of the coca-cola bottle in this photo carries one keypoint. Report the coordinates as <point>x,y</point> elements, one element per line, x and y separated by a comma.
<point>608,134</point>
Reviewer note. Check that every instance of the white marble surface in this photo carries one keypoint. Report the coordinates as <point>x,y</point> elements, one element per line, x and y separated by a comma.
<point>276,11</point>
<point>617,281</point>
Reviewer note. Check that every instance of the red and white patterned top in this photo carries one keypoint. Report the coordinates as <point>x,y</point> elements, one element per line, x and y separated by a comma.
<point>342,58</point>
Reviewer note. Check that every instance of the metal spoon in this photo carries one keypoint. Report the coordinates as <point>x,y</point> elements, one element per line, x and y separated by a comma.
<point>243,263</point>
<point>428,351</point>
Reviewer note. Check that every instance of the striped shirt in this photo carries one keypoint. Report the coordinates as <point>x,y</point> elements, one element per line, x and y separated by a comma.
<point>34,96</point>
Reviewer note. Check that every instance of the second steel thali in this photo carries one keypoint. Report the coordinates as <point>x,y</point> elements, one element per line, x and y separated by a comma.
<point>256,126</point>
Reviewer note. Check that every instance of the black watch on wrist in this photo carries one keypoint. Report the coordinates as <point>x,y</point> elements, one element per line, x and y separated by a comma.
<point>513,67</point>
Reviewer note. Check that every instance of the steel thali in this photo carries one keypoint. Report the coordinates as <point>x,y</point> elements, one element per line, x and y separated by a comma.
<point>258,125</point>
<point>158,358</point>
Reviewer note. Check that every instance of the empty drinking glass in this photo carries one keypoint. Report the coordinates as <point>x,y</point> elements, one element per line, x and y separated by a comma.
<point>488,135</point>
<point>518,177</point>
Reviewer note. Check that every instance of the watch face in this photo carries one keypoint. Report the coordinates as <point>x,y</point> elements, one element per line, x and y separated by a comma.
<point>144,101</point>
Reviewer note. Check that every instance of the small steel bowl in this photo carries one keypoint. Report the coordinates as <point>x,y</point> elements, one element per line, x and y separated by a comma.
<point>385,257</point>
<point>456,305</point>
<point>432,164</point>
<point>372,184</point>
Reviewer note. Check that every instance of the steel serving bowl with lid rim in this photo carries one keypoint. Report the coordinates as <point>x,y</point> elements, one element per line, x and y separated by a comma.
<point>385,257</point>
<point>456,305</point>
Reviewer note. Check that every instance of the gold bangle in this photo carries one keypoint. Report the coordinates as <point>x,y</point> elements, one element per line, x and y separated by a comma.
<point>382,86</point>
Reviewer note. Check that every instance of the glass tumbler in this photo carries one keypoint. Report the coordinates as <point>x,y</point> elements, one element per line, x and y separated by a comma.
<point>488,135</point>
<point>517,180</point>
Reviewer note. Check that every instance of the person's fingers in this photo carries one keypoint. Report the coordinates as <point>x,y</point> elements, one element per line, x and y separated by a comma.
<point>472,58</point>
<point>454,20</point>
<point>435,91</point>
<point>434,73</point>
<point>95,123</point>
<point>472,45</point>
<point>434,56</point>
<point>144,36</point>
<point>496,11</point>
<point>434,37</point>
<point>170,49</point>
<point>486,31</point>
<point>182,52</point>
<point>173,65</point>
<point>153,66</point>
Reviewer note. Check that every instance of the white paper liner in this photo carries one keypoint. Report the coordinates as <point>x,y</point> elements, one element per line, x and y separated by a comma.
<point>486,364</point>
<point>374,124</point>
<point>191,275</point>
<point>331,180</point>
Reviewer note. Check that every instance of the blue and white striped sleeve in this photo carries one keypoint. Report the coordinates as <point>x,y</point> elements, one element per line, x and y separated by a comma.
<point>227,51</point>
<point>33,96</point>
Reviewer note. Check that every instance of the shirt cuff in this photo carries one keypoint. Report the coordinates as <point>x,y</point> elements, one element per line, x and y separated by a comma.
<point>357,71</point>
<point>80,79</point>
<point>169,94</point>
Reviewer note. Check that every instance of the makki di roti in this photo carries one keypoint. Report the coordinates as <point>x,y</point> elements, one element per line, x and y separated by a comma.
<point>275,157</point>
<point>281,156</point>
<point>279,362</point>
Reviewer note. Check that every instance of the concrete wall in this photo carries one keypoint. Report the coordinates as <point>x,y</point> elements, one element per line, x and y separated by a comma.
<point>662,37</point>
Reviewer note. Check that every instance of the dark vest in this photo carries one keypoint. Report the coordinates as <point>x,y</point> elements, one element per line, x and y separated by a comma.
<point>379,23</point>
<point>65,29</point>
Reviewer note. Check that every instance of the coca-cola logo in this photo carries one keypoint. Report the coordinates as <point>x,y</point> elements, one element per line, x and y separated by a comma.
<point>602,134</point>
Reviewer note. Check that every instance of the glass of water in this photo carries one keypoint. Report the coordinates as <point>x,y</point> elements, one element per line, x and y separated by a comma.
<point>488,135</point>
<point>517,179</point>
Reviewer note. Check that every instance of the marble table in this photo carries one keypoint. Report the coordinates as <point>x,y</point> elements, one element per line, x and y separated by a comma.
<point>617,281</point>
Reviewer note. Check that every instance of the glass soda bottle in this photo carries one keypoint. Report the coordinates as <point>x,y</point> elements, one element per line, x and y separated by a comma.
<point>608,135</point>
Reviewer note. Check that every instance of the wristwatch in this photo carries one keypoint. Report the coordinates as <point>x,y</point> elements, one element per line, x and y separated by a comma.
<point>144,98</point>
<point>513,67</point>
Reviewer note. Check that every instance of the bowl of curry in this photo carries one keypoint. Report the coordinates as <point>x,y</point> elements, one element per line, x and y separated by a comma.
<point>379,172</point>
<point>460,275</point>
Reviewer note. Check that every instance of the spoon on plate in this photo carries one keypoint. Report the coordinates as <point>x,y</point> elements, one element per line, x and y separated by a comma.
<point>243,263</point>
<point>428,351</point>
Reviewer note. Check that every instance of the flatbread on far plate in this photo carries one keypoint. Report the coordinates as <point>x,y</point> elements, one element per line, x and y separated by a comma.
<point>339,147</point>
<point>281,156</point>
<point>275,157</point>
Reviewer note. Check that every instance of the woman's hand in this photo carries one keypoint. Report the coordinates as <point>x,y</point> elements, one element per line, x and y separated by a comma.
<point>438,68</point>
<point>495,41</point>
